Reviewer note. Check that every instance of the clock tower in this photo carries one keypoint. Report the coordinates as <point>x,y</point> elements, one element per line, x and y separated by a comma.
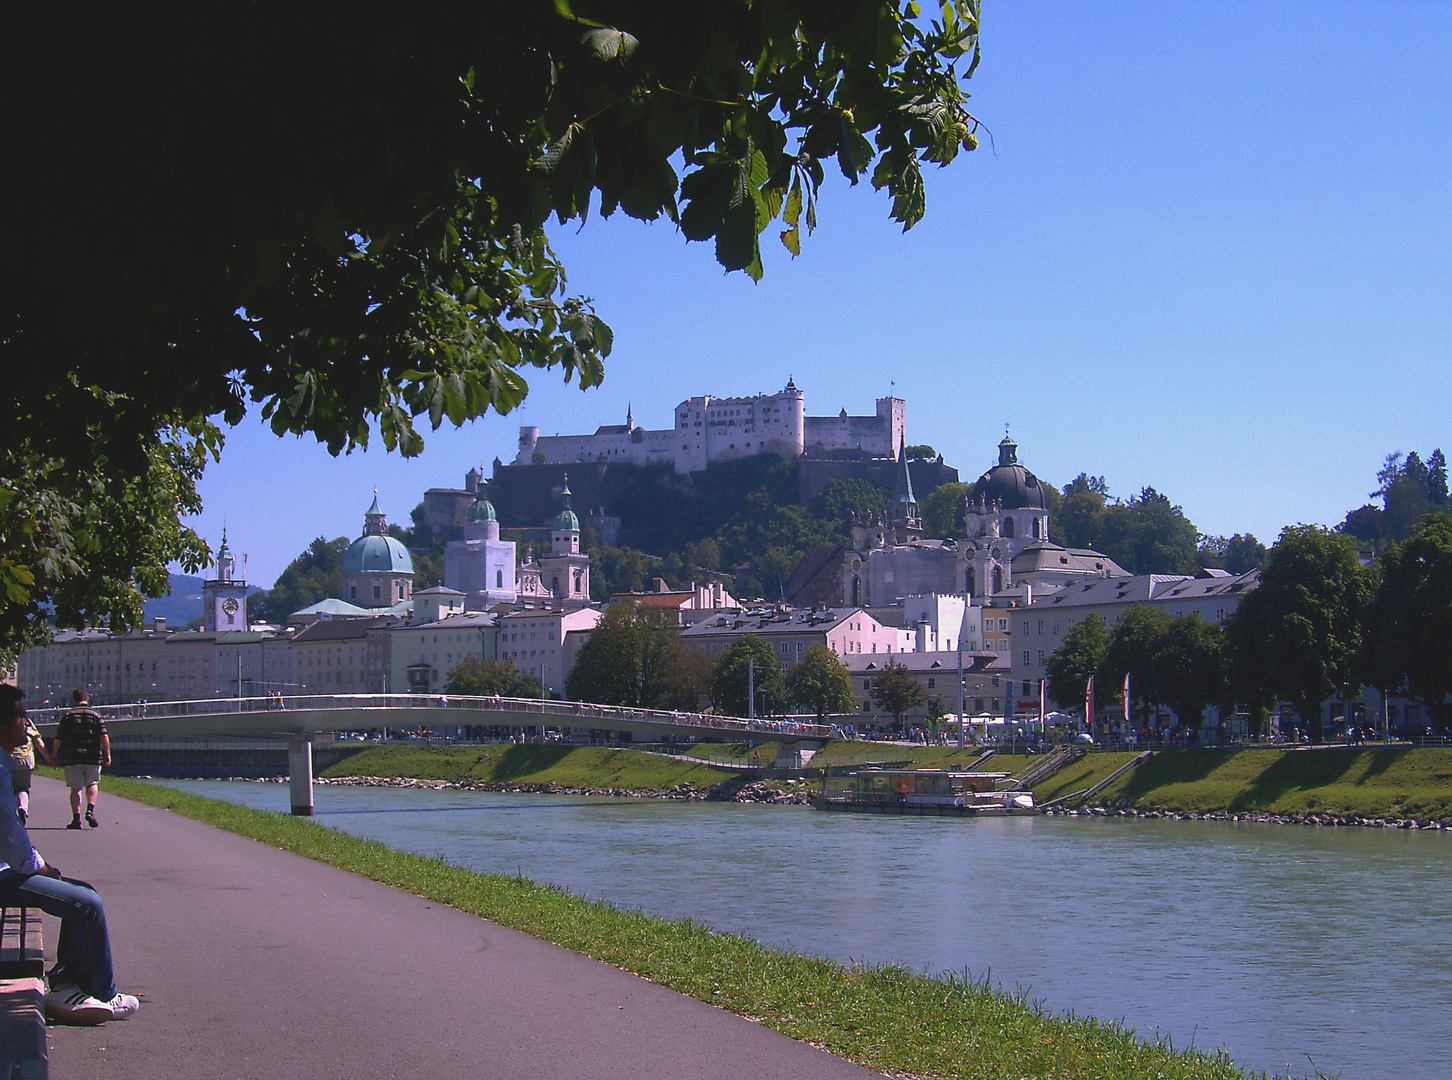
<point>224,599</point>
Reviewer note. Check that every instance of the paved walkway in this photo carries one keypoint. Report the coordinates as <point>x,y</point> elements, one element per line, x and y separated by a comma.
<point>254,963</point>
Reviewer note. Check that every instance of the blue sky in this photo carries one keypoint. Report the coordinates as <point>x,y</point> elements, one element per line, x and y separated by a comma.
<point>1208,248</point>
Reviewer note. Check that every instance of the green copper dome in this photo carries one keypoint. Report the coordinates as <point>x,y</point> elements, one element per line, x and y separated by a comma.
<point>377,553</point>
<point>482,510</point>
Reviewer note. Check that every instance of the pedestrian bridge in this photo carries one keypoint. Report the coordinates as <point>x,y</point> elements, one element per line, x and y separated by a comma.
<point>316,713</point>
<point>299,716</point>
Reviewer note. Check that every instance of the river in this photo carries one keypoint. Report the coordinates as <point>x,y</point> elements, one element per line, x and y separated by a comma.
<point>1293,948</point>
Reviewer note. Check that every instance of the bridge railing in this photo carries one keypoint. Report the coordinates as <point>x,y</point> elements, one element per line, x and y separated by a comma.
<point>550,713</point>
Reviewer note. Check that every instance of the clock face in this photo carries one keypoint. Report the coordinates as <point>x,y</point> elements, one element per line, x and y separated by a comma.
<point>229,605</point>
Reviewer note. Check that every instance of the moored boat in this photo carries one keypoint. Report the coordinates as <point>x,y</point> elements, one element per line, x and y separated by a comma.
<point>930,792</point>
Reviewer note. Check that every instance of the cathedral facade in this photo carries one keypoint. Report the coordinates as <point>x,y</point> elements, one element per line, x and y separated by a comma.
<point>1004,544</point>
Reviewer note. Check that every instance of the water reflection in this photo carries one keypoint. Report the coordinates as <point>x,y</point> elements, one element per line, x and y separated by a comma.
<point>1282,944</point>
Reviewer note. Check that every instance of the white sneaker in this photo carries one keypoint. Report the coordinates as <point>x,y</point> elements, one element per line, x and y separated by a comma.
<point>72,1005</point>
<point>123,1006</point>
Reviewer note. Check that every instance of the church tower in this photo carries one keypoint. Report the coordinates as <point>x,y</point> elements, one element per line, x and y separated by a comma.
<point>481,565</point>
<point>224,598</point>
<point>565,571</point>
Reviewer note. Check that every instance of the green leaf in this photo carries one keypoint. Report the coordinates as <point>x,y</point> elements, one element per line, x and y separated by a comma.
<point>792,211</point>
<point>736,243</point>
<point>607,43</point>
<point>604,336</point>
<point>846,152</point>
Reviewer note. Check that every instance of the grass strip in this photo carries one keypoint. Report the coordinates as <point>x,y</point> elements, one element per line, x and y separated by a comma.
<point>506,763</point>
<point>885,1017</point>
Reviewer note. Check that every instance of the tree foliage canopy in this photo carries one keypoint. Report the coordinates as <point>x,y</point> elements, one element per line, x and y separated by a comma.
<point>895,689</point>
<point>1298,635</point>
<point>1409,489</point>
<point>734,674</point>
<point>1408,637</point>
<point>339,219</point>
<point>943,510</point>
<point>1078,658</point>
<point>821,682</point>
<point>314,575</point>
<point>483,678</point>
<point>633,657</point>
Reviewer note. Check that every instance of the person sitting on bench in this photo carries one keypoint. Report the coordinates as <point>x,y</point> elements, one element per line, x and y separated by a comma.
<point>82,990</point>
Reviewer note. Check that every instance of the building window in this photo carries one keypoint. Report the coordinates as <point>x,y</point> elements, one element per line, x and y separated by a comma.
<point>1041,658</point>
<point>1025,658</point>
<point>378,592</point>
<point>932,683</point>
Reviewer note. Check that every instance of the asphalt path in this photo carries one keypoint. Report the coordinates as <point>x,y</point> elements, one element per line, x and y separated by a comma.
<point>255,964</point>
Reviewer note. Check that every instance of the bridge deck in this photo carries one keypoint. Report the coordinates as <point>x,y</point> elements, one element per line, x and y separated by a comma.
<point>261,965</point>
<point>354,712</point>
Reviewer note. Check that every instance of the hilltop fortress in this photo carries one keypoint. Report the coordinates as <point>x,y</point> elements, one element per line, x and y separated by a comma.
<point>711,429</point>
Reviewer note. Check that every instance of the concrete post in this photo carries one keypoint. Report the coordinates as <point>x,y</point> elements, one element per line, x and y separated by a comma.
<point>300,768</point>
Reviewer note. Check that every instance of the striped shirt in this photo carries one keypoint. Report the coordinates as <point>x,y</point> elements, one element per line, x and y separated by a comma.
<point>80,732</point>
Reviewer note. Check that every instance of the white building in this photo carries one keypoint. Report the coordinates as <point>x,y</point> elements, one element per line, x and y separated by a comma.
<point>422,655</point>
<point>985,681</point>
<point>481,566</point>
<point>1040,627</point>
<point>710,429</point>
<point>846,631</point>
<point>536,642</point>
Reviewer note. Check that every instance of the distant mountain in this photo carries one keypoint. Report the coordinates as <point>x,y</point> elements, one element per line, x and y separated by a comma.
<point>185,602</point>
<point>182,606</point>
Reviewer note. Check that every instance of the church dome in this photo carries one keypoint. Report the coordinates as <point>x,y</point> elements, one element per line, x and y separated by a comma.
<point>482,510</point>
<point>377,553</point>
<point>1010,483</point>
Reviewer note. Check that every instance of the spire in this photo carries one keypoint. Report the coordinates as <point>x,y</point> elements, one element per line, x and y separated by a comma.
<point>226,563</point>
<point>902,491</point>
<point>629,420</point>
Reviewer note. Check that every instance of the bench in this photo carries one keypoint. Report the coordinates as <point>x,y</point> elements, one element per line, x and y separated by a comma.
<point>22,995</point>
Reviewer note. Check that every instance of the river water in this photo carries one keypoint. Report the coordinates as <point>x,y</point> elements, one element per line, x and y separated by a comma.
<point>1293,948</point>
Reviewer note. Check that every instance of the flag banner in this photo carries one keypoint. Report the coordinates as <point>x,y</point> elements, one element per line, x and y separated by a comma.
<point>1043,699</point>
<point>1126,697</point>
<point>1089,702</point>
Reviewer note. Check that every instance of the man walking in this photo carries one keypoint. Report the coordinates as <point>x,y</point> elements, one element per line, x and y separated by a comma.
<point>82,987</point>
<point>83,747</point>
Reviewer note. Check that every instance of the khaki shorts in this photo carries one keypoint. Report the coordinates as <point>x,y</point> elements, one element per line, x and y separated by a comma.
<point>82,776</point>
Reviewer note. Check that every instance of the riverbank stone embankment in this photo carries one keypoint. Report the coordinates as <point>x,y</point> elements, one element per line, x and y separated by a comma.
<point>726,791</point>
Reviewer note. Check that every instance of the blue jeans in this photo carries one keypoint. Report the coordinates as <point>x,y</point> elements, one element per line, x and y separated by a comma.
<point>83,953</point>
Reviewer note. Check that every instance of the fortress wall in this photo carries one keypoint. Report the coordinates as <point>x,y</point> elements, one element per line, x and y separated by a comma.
<point>870,434</point>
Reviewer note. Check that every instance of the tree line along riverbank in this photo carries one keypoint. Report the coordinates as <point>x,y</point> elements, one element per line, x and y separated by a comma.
<point>1343,784</point>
